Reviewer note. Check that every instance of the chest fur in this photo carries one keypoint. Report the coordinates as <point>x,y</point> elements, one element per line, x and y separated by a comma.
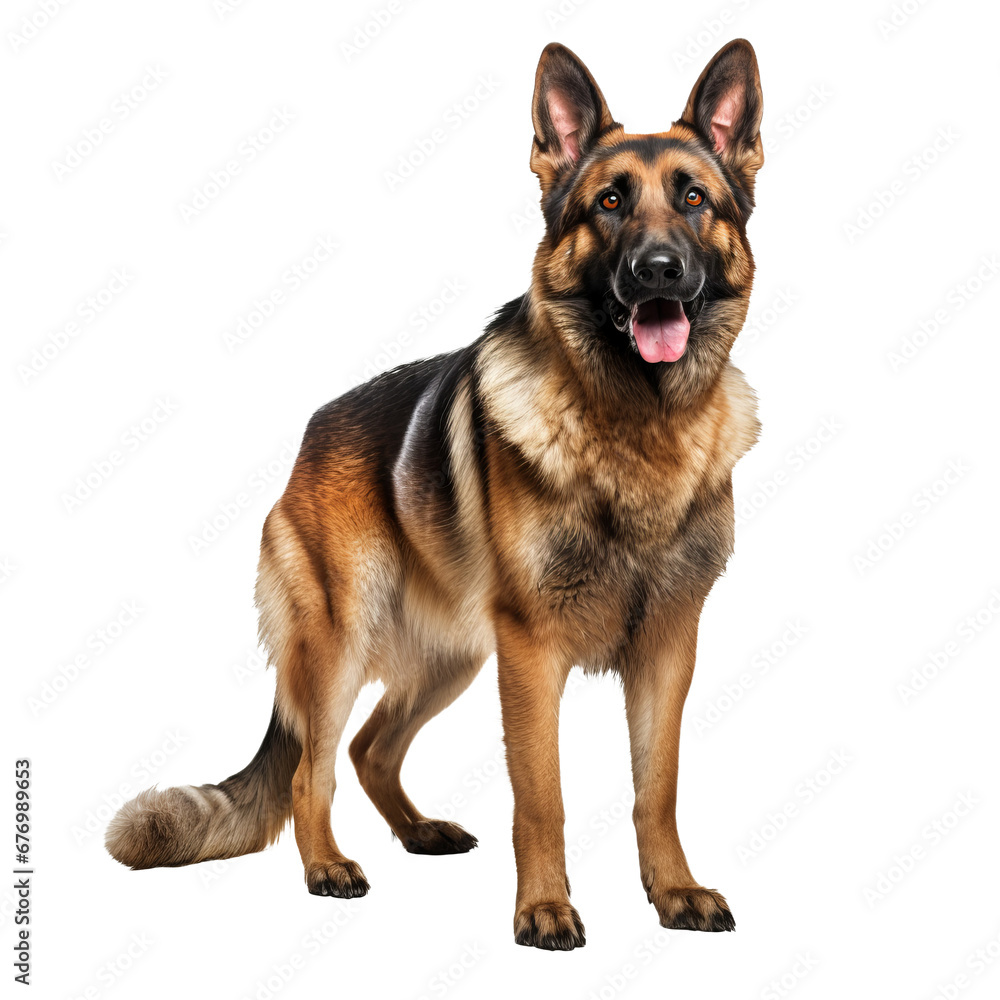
<point>631,506</point>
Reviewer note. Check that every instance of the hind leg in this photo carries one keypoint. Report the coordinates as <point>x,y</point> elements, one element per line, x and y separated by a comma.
<point>381,744</point>
<point>326,589</point>
<point>328,871</point>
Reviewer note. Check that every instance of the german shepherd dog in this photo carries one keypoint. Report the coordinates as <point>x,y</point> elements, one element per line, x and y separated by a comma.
<point>560,492</point>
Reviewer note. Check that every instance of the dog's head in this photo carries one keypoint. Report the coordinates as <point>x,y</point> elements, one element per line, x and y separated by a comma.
<point>650,230</point>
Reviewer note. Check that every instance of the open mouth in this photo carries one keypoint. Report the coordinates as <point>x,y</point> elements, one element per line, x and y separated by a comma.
<point>660,328</point>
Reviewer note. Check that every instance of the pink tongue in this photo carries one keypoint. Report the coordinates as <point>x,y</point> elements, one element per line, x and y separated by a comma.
<point>661,330</point>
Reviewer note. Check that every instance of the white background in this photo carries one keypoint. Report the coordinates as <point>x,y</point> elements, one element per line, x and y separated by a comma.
<point>855,449</point>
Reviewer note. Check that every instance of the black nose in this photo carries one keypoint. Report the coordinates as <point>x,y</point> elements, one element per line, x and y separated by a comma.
<point>657,268</point>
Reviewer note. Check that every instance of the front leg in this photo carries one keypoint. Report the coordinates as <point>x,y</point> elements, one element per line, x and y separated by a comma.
<point>531,687</point>
<point>656,683</point>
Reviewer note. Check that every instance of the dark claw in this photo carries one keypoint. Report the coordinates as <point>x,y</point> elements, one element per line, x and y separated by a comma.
<point>439,837</point>
<point>345,881</point>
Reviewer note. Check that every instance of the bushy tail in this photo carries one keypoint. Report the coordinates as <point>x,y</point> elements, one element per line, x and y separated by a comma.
<point>243,814</point>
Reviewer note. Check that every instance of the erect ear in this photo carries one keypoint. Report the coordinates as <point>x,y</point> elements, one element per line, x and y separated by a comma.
<point>726,105</point>
<point>568,112</point>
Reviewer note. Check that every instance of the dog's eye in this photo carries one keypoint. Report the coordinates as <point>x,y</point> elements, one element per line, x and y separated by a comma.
<point>694,197</point>
<point>611,201</point>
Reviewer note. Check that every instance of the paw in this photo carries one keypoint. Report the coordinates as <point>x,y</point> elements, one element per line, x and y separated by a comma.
<point>692,909</point>
<point>552,926</point>
<point>436,836</point>
<point>343,879</point>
